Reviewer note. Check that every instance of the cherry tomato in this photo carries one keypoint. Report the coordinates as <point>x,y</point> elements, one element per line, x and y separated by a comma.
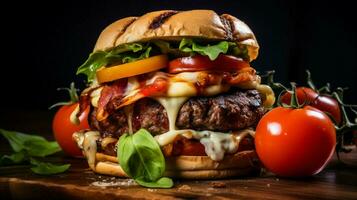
<point>63,128</point>
<point>200,63</point>
<point>321,102</point>
<point>295,142</point>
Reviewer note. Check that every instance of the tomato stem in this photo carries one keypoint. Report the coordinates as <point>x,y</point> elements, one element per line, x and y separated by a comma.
<point>271,83</point>
<point>347,125</point>
<point>72,92</point>
<point>309,80</point>
<point>294,102</point>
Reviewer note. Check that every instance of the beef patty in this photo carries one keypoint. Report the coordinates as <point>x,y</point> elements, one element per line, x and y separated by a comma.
<point>226,112</point>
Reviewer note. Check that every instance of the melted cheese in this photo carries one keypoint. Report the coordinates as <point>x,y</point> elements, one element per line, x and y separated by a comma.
<point>73,117</point>
<point>88,143</point>
<point>95,95</point>
<point>106,141</point>
<point>216,144</point>
<point>128,110</point>
<point>133,84</point>
<point>172,107</point>
<point>181,89</point>
<point>215,89</point>
<point>268,95</point>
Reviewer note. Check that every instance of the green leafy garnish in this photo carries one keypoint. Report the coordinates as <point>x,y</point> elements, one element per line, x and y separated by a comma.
<point>136,51</point>
<point>212,51</point>
<point>33,145</point>
<point>45,168</point>
<point>13,159</point>
<point>141,158</point>
<point>27,147</point>
<point>120,54</point>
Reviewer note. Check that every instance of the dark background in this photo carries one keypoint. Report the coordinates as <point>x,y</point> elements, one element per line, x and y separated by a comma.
<point>43,43</point>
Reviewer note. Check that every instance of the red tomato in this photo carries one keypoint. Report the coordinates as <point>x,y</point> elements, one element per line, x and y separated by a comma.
<point>295,142</point>
<point>200,63</point>
<point>63,128</point>
<point>321,102</point>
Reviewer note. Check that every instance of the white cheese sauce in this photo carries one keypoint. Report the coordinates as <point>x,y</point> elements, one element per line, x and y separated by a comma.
<point>216,144</point>
<point>88,143</point>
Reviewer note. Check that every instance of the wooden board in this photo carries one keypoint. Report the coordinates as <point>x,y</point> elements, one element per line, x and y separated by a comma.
<point>338,181</point>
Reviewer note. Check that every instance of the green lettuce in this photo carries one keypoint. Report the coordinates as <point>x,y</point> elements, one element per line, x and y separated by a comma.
<point>121,54</point>
<point>212,51</point>
<point>136,51</point>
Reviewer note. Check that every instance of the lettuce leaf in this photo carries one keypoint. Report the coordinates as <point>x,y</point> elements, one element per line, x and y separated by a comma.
<point>121,54</point>
<point>212,51</point>
<point>136,51</point>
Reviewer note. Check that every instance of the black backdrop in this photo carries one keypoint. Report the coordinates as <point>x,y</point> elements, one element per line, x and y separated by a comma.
<point>44,42</point>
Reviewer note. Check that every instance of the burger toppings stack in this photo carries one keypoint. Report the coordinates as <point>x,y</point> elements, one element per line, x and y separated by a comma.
<point>173,93</point>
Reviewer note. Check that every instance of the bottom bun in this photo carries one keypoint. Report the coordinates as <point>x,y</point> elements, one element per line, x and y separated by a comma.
<point>191,167</point>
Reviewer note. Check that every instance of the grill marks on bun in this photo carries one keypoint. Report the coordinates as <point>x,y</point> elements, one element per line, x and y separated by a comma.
<point>175,25</point>
<point>159,20</point>
<point>111,33</point>
<point>228,27</point>
<point>132,20</point>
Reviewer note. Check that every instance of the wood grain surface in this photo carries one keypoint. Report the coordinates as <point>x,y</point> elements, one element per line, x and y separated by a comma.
<point>337,181</point>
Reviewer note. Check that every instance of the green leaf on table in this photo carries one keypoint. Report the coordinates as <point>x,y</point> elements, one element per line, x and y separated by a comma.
<point>42,149</point>
<point>45,168</point>
<point>163,182</point>
<point>13,159</point>
<point>33,145</point>
<point>141,158</point>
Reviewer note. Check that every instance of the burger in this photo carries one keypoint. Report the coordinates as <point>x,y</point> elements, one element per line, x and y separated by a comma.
<point>177,81</point>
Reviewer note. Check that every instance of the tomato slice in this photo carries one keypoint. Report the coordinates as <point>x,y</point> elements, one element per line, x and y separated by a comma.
<point>131,69</point>
<point>201,63</point>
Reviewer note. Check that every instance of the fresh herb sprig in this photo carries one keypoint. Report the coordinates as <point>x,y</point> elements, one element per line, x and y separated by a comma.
<point>28,149</point>
<point>141,158</point>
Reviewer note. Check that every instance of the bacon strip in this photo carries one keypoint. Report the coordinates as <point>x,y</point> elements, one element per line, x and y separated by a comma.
<point>114,95</point>
<point>114,90</point>
<point>84,100</point>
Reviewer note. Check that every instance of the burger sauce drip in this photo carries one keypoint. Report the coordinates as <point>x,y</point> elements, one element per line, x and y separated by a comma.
<point>128,110</point>
<point>84,102</point>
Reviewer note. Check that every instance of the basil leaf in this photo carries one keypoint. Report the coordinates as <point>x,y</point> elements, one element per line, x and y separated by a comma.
<point>212,51</point>
<point>41,148</point>
<point>141,158</point>
<point>44,168</point>
<point>163,182</point>
<point>13,159</point>
<point>33,145</point>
